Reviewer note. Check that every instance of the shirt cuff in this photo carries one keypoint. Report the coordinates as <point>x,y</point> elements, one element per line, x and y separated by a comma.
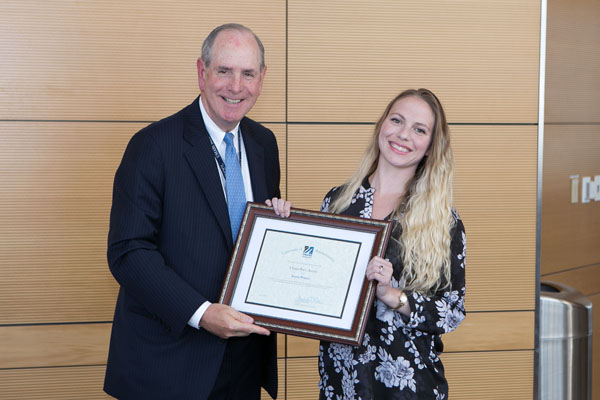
<point>194,322</point>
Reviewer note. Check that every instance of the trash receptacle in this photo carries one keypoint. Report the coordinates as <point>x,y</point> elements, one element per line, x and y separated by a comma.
<point>565,334</point>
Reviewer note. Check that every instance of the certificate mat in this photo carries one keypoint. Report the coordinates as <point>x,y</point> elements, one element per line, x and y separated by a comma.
<point>303,272</point>
<point>304,275</point>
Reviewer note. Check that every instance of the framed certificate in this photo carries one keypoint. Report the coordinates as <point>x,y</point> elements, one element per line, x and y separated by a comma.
<point>305,275</point>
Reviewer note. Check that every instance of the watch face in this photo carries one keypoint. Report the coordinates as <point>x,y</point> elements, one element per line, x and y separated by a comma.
<point>403,299</point>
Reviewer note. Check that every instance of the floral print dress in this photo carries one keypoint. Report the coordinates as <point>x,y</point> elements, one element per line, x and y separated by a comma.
<point>399,355</point>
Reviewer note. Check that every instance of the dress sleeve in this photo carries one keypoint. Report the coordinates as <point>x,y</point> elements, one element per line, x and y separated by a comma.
<point>444,311</point>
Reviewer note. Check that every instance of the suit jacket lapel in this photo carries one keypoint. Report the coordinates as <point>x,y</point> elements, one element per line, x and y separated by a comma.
<point>256,162</point>
<point>202,161</point>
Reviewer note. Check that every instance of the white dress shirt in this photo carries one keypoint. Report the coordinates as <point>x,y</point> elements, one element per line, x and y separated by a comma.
<point>218,135</point>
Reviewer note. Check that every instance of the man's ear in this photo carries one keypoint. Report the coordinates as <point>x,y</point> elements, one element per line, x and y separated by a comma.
<point>201,72</point>
<point>262,78</point>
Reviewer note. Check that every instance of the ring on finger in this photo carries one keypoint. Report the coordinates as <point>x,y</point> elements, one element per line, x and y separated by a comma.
<point>381,269</point>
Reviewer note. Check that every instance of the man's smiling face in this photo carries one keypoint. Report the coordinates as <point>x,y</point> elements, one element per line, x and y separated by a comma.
<point>232,82</point>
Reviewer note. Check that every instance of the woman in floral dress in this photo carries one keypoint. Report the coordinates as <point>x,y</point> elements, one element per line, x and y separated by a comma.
<point>406,177</point>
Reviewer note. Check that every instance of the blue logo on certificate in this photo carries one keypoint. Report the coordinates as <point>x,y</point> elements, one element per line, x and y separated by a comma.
<point>308,251</point>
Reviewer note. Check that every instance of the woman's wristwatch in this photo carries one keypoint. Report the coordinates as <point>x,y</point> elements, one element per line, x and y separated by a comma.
<point>402,300</point>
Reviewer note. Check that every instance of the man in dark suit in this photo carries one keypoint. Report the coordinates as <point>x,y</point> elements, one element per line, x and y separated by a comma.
<point>170,239</point>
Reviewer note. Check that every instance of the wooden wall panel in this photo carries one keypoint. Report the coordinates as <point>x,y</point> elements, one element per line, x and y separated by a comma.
<point>281,345</point>
<point>114,60</point>
<point>500,223</point>
<point>347,59</point>
<point>505,375</point>
<point>495,194</point>
<point>302,379</point>
<point>55,204</point>
<point>320,157</point>
<point>302,347</point>
<point>71,383</point>
<point>492,331</point>
<point>570,233</point>
<point>572,61</point>
<point>54,345</point>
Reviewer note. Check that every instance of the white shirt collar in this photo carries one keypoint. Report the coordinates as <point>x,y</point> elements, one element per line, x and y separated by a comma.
<point>216,134</point>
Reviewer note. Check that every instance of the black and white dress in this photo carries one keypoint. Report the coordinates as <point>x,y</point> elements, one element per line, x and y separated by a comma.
<point>399,355</point>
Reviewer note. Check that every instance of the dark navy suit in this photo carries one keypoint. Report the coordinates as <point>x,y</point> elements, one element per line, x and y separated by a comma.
<point>168,247</point>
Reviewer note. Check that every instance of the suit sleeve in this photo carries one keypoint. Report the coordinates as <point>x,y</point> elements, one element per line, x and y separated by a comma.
<point>133,254</point>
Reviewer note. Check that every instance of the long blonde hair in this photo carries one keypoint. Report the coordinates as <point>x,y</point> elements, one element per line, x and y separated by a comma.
<point>425,211</point>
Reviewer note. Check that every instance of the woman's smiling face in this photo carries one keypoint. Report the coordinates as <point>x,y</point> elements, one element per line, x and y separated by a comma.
<point>406,133</point>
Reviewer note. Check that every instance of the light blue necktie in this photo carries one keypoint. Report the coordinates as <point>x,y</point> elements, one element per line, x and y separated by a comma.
<point>234,186</point>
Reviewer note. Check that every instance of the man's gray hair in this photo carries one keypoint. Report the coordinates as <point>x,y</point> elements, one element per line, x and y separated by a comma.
<point>207,46</point>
